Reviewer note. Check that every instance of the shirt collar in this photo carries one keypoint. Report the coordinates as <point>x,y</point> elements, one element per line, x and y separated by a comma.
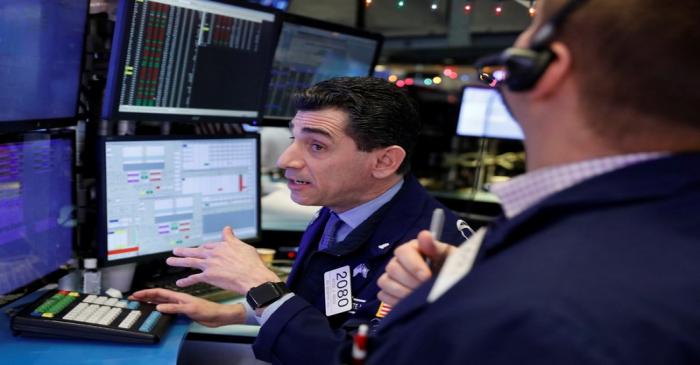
<point>355,216</point>
<point>524,191</point>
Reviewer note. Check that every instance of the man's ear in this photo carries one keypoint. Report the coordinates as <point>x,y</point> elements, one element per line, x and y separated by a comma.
<point>387,161</point>
<point>555,74</point>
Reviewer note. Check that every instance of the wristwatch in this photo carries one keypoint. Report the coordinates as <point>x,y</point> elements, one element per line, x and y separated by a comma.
<point>265,294</point>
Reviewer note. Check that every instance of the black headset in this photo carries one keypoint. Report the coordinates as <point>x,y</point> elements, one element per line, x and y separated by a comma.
<point>525,66</point>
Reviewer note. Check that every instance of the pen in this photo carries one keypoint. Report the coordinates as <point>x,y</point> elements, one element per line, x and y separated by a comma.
<point>436,224</point>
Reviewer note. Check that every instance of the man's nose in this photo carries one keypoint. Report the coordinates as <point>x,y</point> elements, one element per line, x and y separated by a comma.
<point>290,158</point>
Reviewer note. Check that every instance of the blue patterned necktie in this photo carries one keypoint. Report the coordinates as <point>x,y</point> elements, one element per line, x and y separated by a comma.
<point>328,238</point>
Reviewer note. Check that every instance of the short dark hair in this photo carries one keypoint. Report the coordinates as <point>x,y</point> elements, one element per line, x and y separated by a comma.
<point>380,114</point>
<point>635,57</point>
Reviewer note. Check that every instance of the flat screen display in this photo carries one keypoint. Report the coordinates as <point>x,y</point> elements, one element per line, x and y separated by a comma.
<point>162,193</point>
<point>189,60</point>
<point>483,114</point>
<point>41,52</point>
<point>310,51</point>
<point>36,209</point>
<point>277,4</point>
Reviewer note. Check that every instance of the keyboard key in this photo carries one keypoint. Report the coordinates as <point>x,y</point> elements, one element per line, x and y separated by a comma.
<point>150,322</point>
<point>130,319</point>
<point>122,304</point>
<point>87,312</point>
<point>109,317</point>
<point>99,313</point>
<point>73,313</point>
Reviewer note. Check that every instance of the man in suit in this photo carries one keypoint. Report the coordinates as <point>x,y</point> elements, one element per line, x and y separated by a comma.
<point>595,260</point>
<point>352,140</point>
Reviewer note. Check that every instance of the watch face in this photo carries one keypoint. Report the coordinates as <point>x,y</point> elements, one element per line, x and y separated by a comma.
<point>262,295</point>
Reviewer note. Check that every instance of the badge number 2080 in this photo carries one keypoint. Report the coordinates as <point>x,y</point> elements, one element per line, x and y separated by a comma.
<point>338,291</point>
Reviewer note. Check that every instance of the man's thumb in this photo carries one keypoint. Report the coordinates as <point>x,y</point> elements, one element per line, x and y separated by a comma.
<point>228,233</point>
<point>428,246</point>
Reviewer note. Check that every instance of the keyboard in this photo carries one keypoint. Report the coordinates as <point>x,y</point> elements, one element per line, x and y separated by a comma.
<point>205,290</point>
<point>202,290</point>
<point>61,313</point>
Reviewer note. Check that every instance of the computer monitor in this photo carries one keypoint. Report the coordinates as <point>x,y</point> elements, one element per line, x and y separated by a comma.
<point>158,193</point>
<point>36,209</point>
<point>190,60</point>
<point>309,51</point>
<point>277,4</point>
<point>41,53</point>
<point>483,114</point>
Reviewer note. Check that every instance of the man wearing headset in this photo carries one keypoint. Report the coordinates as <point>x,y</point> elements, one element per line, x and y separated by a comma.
<point>352,139</point>
<point>595,260</point>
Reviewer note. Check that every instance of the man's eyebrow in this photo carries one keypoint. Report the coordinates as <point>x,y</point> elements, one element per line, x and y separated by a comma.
<point>312,130</point>
<point>320,131</point>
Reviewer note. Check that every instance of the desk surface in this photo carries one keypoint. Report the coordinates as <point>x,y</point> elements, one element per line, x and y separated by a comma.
<point>31,350</point>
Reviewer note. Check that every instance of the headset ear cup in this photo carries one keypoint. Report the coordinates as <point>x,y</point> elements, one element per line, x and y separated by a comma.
<point>525,67</point>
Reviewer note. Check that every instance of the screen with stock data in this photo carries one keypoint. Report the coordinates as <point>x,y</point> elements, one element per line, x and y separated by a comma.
<point>189,60</point>
<point>36,209</point>
<point>483,114</point>
<point>165,193</point>
<point>310,51</point>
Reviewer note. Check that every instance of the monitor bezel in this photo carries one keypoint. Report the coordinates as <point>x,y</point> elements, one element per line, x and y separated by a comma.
<point>101,241</point>
<point>272,121</point>
<point>22,125</point>
<point>117,60</point>
<point>461,105</point>
<point>57,273</point>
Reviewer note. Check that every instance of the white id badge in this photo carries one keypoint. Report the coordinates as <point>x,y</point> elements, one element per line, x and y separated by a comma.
<point>338,292</point>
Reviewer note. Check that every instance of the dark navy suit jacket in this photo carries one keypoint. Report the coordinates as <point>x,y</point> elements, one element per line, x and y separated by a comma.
<point>605,272</point>
<point>299,332</point>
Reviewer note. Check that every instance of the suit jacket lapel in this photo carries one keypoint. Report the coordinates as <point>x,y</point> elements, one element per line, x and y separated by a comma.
<point>308,243</point>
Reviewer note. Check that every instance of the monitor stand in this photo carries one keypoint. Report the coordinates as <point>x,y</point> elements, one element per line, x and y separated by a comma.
<point>157,271</point>
<point>118,277</point>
